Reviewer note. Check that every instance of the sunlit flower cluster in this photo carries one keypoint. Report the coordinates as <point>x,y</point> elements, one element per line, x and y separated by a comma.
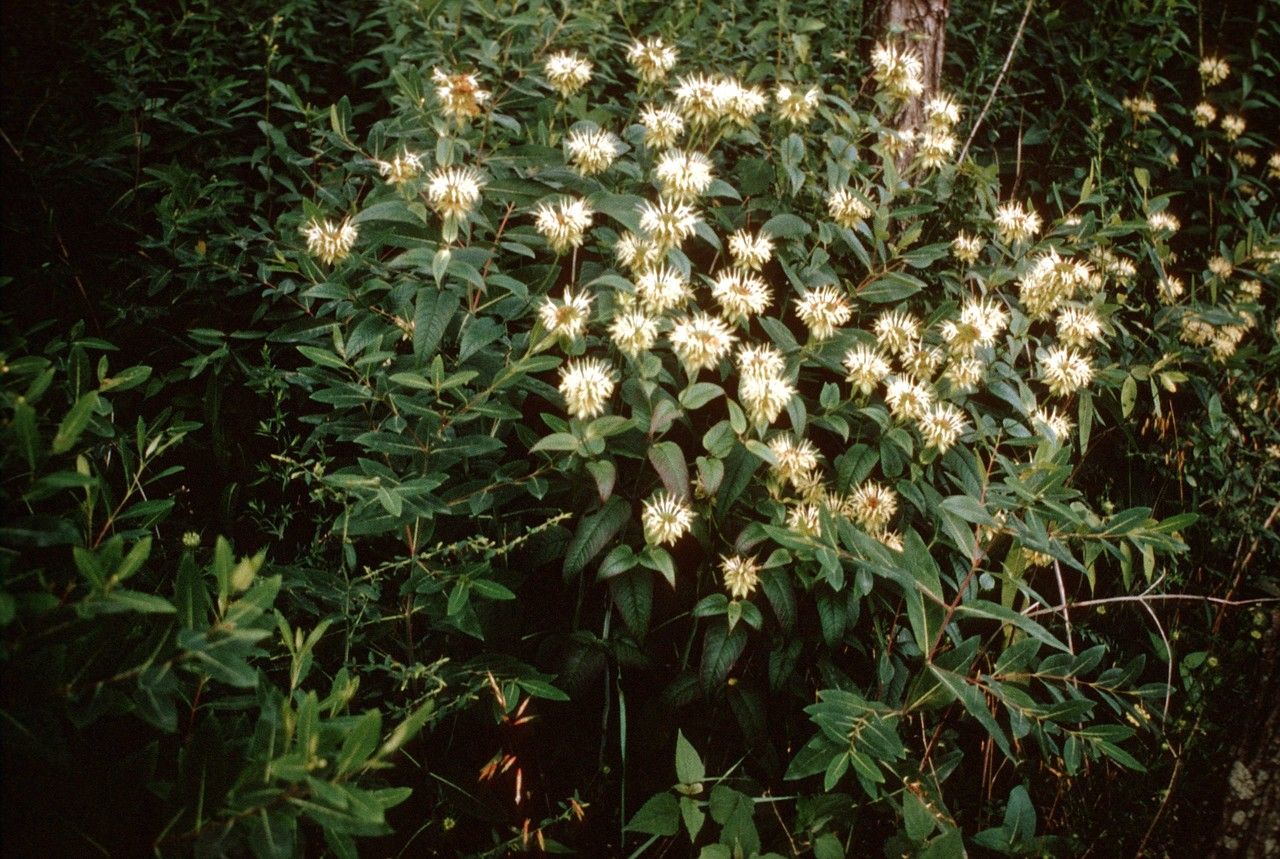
<point>683,176</point>
<point>591,150</point>
<point>662,126</point>
<point>898,71</point>
<point>942,425</point>
<point>967,248</point>
<point>460,95</point>
<point>867,368</point>
<point>1232,126</point>
<point>586,386</point>
<point>567,318</point>
<point>797,105</point>
<point>823,310</point>
<point>453,192</point>
<point>794,461</point>
<point>741,575</point>
<point>1214,70</point>
<point>740,293</point>
<point>330,242</point>
<point>567,72</point>
<point>401,169</point>
<point>1065,371</point>
<point>1204,114</point>
<point>700,341</point>
<point>666,519</point>
<point>563,223</point>
<point>652,59</point>
<point>1142,108</point>
<point>1014,223</point>
<point>750,251</point>
<point>667,222</point>
<point>846,208</point>
<point>1051,281</point>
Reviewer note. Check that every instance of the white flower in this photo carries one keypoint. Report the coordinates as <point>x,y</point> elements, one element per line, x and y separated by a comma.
<point>1016,224</point>
<point>402,169</point>
<point>797,106</point>
<point>823,310</point>
<point>846,209</point>
<point>898,71</point>
<point>652,58</point>
<point>764,397</point>
<point>684,176</point>
<point>662,288</point>
<point>1065,370</point>
<point>459,94</point>
<point>454,191</point>
<point>987,318</point>
<point>942,112</point>
<point>740,293</point>
<point>966,248</point>
<point>1214,70</point>
<point>871,506</point>
<point>666,519</point>
<point>567,319</point>
<point>867,368</point>
<point>661,126</point>
<point>563,224</point>
<point>1163,222</point>
<point>741,575</point>
<point>793,460</point>
<point>701,99</point>
<point>329,241</point>
<point>1204,114</point>
<point>566,72</point>
<point>1142,108</point>
<point>633,332</point>
<point>936,148</point>
<point>668,223</point>
<point>1232,126</point>
<point>700,341</point>
<point>805,520</point>
<point>964,374</point>
<point>750,252</point>
<point>591,150</point>
<point>741,103</point>
<point>896,330</point>
<point>1079,326</point>
<point>942,425</point>
<point>1169,289</point>
<point>920,361</point>
<point>760,359</point>
<point>1058,424</point>
<point>586,386</point>
<point>907,399</point>
<point>636,253</point>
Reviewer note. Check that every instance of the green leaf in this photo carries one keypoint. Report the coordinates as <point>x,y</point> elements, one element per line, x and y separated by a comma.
<point>893,286</point>
<point>541,689</point>
<point>360,742</point>
<point>74,422</point>
<point>323,357</point>
<point>433,310</point>
<point>974,702</point>
<point>668,460</point>
<point>827,846</point>
<point>125,379</point>
<point>593,534</point>
<point>698,395</point>
<point>785,226</point>
<point>659,816</point>
<point>689,766</point>
<point>1128,395</point>
<point>720,650</point>
<point>633,595</point>
<point>693,816</point>
<point>917,817</point>
<point>556,441</point>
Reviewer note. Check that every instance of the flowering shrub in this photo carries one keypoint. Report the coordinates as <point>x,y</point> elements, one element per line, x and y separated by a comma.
<point>810,393</point>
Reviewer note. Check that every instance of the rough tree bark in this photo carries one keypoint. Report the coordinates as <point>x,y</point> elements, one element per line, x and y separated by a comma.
<point>1250,827</point>
<point>923,24</point>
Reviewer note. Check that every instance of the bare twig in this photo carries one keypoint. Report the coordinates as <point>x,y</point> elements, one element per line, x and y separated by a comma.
<point>1066,612</point>
<point>1017,37</point>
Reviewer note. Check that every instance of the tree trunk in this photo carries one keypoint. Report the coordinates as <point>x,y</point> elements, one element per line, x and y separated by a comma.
<point>923,25</point>
<point>1250,827</point>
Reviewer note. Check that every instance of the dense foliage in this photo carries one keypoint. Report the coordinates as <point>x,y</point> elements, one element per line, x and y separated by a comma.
<point>471,428</point>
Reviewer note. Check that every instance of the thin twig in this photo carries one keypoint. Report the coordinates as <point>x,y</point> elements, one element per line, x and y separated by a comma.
<point>1066,612</point>
<point>1057,609</point>
<point>1017,37</point>
<point>1168,658</point>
